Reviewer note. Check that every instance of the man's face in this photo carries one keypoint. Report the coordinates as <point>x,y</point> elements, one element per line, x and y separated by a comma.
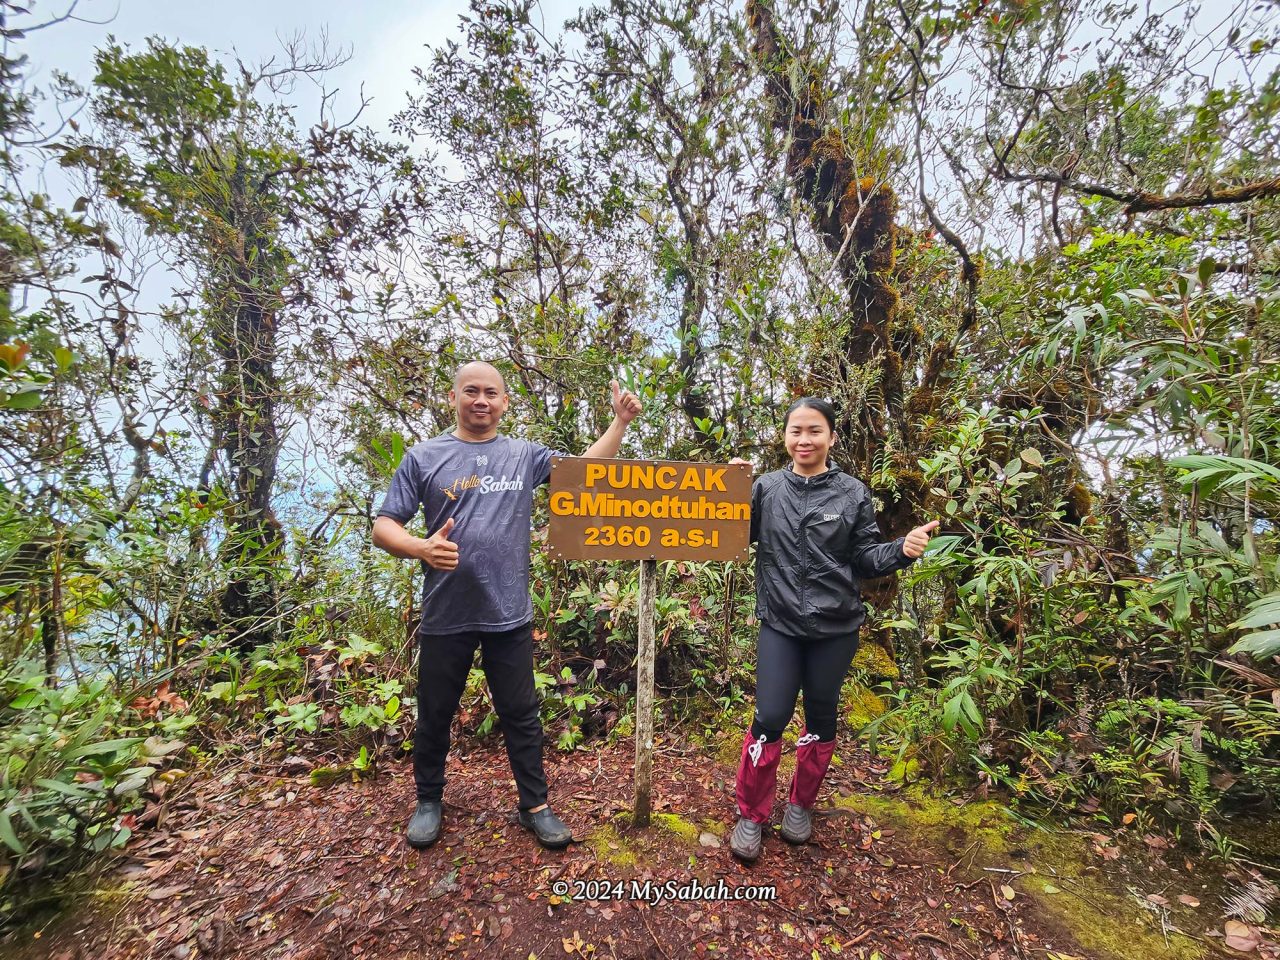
<point>480,399</point>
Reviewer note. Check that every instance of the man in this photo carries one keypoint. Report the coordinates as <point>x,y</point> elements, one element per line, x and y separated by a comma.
<point>475,488</point>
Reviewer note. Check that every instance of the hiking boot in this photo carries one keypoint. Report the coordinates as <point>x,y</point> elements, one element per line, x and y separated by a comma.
<point>797,824</point>
<point>747,840</point>
<point>424,825</point>
<point>551,831</point>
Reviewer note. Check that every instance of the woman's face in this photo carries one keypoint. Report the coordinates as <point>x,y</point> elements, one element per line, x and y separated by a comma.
<point>809,439</point>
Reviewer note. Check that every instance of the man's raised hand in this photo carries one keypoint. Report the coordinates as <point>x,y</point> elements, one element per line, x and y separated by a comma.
<point>439,552</point>
<point>626,405</point>
<point>915,542</point>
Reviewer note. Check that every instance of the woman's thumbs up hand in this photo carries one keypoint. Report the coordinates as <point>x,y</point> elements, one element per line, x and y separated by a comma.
<point>915,542</point>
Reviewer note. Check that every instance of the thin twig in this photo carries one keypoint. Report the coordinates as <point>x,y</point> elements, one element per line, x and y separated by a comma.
<point>645,919</point>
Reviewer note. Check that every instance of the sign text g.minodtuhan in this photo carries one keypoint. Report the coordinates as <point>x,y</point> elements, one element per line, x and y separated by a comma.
<point>649,510</point>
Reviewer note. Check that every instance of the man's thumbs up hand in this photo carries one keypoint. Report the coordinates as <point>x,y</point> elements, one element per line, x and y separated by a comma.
<point>439,551</point>
<point>626,405</point>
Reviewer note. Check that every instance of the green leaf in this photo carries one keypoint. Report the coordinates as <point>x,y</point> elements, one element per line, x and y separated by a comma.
<point>9,835</point>
<point>27,400</point>
<point>222,690</point>
<point>951,713</point>
<point>69,789</point>
<point>1232,469</point>
<point>1261,613</point>
<point>1181,604</point>
<point>133,781</point>
<point>1264,644</point>
<point>106,746</point>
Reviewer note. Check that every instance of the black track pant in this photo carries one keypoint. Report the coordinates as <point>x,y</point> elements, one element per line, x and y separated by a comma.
<point>443,664</point>
<point>786,665</point>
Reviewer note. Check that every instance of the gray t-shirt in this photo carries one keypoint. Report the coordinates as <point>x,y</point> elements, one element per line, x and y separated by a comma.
<point>487,488</point>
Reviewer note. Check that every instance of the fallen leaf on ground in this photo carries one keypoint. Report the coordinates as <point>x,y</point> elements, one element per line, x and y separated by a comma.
<point>1241,936</point>
<point>164,893</point>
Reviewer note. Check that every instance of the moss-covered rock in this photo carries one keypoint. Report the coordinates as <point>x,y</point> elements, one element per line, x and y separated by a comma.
<point>1057,874</point>
<point>715,827</point>
<point>861,706</point>
<point>874,661</point>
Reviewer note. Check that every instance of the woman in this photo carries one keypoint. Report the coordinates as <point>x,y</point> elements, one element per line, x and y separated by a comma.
<point>817,537</point>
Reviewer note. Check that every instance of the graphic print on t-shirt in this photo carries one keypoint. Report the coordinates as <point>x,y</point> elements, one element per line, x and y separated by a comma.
<point>481,484</point>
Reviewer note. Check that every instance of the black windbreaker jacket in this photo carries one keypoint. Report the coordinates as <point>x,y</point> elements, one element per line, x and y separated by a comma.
<point>817,537</point>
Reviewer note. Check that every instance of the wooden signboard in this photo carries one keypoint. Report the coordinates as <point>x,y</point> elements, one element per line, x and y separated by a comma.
<point>649,510</point>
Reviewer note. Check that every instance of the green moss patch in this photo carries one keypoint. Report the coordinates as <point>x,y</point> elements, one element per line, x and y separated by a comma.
<point>729,750</point>
<point>678,827</point>
<point>612,847</point>
<point>904,771</point>
<point>618,844</point>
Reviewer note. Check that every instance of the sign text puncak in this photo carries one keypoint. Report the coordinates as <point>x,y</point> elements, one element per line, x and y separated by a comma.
<point>649,510</point>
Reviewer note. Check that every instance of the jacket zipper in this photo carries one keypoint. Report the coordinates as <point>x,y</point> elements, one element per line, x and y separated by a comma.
<point>804,557</point>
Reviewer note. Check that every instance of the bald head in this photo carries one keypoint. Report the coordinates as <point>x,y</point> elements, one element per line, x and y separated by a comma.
<point>478,367</point>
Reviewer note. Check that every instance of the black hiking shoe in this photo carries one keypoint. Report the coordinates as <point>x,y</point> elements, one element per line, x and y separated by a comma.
<point>797,824</point>
<point>551,831</point>
<point>424,825</point>
<point>747,840</point>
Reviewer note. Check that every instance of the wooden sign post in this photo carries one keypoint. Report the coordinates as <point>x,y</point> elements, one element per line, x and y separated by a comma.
<point>648,511</point>
<point>642,809</point>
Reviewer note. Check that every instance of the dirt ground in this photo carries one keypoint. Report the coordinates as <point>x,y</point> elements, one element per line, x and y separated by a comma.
<point>256,864</point>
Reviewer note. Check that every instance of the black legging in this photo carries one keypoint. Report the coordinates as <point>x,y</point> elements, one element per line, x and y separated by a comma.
<point>786,665</point>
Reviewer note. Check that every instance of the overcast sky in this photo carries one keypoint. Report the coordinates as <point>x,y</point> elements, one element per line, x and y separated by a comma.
<point>387,38</point>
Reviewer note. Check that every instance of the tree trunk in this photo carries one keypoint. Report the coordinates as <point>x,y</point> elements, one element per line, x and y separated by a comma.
<point>250,437</point>
<point>853,212</point>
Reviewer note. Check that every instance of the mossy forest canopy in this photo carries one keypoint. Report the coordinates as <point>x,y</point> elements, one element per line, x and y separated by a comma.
<point>1029,250</point>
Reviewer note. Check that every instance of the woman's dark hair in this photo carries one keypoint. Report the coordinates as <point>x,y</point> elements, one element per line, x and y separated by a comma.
<point>824,407</point>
